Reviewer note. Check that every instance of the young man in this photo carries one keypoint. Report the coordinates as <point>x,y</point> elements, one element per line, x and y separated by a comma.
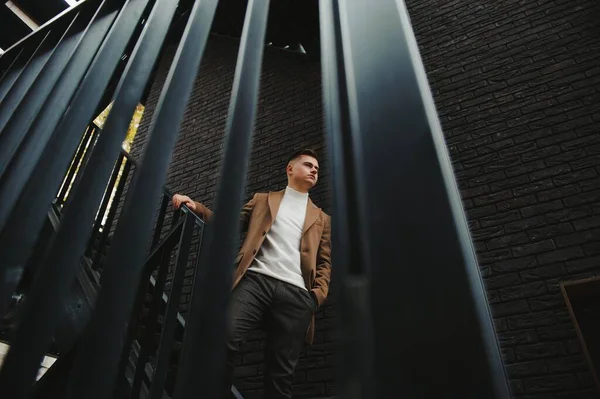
<point>283,271</point>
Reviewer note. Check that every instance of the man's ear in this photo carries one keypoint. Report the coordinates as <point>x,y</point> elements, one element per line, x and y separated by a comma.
<point>288,168</point>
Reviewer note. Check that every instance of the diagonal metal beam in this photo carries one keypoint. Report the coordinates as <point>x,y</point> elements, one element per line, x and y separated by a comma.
<point>12,72</point>
<point>41,313</point>
<point>32,71</point>
<point>15,128</point>
<point>37,132</point>
<point>76,43</point>
<point>58,270</point>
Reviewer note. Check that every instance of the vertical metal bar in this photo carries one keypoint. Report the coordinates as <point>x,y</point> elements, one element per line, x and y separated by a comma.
<point>170,320</point>
<point>31,70</point>
<point>175,218</point>
<point>151,319</point>
<point>203,352</point>
<point>355,378</point>
<point>134,322</point>
<point>416,226</point>
<point>160,221</point>
<point>103,342</point>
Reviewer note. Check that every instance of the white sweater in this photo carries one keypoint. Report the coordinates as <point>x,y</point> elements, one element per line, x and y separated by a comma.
<point>279,255</point>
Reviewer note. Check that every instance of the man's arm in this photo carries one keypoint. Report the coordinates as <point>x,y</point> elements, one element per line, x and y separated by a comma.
<point>323,275</point>
<point>206,214</point>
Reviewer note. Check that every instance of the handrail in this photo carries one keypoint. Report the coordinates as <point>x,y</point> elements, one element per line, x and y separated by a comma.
<point>198,219</point>
<point>176,238</point>
<point>116,186</point>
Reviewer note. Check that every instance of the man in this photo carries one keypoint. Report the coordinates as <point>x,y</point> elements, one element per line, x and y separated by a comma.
<point>283,271</point>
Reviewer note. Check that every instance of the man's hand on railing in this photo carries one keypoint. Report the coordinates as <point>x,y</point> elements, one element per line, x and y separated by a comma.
<point>179,200</point>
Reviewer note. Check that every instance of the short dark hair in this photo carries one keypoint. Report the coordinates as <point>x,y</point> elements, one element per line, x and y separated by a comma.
<point>305,151</point>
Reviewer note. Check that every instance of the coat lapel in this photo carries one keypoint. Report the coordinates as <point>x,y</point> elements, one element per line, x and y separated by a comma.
<point>274,200</point>
<point>312,214</point>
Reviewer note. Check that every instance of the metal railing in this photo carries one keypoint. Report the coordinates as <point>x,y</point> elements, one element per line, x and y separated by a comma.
<point>394,225</point>
<point>161,310</point>
<point>156,330</point>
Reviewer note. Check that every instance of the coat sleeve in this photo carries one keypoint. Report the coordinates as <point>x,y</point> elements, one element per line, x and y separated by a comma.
<point>206,214</point>
<point>323,275</point>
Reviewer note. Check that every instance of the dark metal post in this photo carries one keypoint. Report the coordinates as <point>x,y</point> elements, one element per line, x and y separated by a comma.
<point>429,306</point>
<point>170,319</point>
<point>147,340</point>
<point>160,220</point>
<point>103,342</point>
<point>204,350</point>
<point>352,268</point>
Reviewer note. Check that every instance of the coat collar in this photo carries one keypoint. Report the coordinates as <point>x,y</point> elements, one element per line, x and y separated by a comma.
<point>312,211</point>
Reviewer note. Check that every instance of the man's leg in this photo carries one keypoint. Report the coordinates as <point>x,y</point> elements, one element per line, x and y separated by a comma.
<point>289,317</point>
<point>249,301</point>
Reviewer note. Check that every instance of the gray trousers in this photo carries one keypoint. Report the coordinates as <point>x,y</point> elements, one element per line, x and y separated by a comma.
<point>284,311</point>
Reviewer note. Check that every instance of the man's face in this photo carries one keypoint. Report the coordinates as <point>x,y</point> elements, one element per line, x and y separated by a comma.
<point>304,171</point>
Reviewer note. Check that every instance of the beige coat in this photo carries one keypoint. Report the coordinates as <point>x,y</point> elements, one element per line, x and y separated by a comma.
<point>257,217</point>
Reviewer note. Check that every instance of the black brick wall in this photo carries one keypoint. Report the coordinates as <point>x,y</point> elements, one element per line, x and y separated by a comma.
<point>517,86</point>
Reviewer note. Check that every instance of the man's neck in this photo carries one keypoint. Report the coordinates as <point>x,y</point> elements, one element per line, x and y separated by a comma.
<point>299,189</point>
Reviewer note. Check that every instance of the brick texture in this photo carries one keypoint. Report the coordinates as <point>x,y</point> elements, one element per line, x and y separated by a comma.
<point>517,87</point>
